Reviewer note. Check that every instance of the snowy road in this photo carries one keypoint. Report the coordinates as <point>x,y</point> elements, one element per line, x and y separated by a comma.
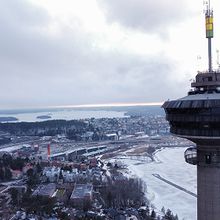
<point>174,185</point>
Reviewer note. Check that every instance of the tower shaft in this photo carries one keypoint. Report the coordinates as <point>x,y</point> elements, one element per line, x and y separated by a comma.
<point>208,177</point>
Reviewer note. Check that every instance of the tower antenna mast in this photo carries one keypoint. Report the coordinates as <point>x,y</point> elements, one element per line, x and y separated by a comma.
<point>209,32</point>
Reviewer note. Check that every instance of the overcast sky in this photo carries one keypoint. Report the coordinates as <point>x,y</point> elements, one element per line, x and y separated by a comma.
<point>74,52</point>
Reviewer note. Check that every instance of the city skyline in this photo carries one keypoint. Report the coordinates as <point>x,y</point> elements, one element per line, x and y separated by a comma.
<point>100,52</point>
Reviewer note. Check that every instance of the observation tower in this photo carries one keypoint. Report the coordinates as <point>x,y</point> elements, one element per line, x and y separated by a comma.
<point>196,117</point>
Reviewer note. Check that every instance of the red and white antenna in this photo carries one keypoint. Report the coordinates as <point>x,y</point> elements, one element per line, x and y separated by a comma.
<point>48,151</point>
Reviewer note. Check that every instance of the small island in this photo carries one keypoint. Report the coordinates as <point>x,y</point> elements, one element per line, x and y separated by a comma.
<point>8,119</point>
<point>43,117</point>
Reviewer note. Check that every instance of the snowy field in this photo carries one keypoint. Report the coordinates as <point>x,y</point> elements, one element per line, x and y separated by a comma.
<point>9,149</point>
<point>169,165</point>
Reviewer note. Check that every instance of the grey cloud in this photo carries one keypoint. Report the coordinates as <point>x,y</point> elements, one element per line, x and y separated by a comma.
<point>22,12</point>
<point>40,69</point>
<point>145,15</point>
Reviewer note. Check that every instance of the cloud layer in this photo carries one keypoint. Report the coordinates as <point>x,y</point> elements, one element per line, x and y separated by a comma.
<point>42,66</point>
<point>145,15</point>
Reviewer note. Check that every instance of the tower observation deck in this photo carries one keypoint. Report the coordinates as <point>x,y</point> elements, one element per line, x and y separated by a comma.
<point>197,117</point>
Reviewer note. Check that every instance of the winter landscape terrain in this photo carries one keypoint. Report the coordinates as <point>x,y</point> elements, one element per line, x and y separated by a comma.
<point>169,163</point>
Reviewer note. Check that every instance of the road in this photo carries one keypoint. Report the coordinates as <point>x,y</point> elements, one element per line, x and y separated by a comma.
<point>174,185</point>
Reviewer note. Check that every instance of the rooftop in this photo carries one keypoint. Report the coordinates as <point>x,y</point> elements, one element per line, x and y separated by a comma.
<point>81,191</point>
<point>45,190</point>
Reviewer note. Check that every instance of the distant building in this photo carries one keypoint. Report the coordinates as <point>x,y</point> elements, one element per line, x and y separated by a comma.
<point>81,194</point>
<point>52,173</point>
<point>70,176</point>
<point>61,195</point>
<point>93,162</point>
<point>16,174</point>
<point>139,133</point>
<point>155,139</point>
<point>26,168</point>
<point>119,178</point>
<point>47,190</point>
<point>87,136</point>
<point>112,137</point>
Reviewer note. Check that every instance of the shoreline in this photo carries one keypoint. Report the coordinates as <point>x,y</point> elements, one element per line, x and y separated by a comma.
<point>159,193</point>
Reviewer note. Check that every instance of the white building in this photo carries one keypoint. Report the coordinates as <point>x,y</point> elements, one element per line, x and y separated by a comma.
<point>52,173</point>
<point>70,176</point>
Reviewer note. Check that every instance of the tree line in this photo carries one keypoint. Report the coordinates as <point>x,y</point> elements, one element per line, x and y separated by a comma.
<point>7,163</point>
<point>45,128</point>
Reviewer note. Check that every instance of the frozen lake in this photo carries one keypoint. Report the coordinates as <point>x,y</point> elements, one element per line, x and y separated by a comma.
<point>66,114</point>
<point>169,165</point>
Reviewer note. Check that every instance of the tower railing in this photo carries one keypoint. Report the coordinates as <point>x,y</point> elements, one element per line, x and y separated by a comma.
<point>195,132</point>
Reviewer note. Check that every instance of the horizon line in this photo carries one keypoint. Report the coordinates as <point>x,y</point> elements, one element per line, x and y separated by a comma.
<point>85,106</point>
<point>109,105</point>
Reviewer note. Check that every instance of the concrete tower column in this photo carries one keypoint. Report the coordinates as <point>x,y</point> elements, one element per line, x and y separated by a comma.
<point>208,180</point>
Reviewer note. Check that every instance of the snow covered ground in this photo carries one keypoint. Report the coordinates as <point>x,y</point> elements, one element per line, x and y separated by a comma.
<point>9,149</point>
<point>169,165</point>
